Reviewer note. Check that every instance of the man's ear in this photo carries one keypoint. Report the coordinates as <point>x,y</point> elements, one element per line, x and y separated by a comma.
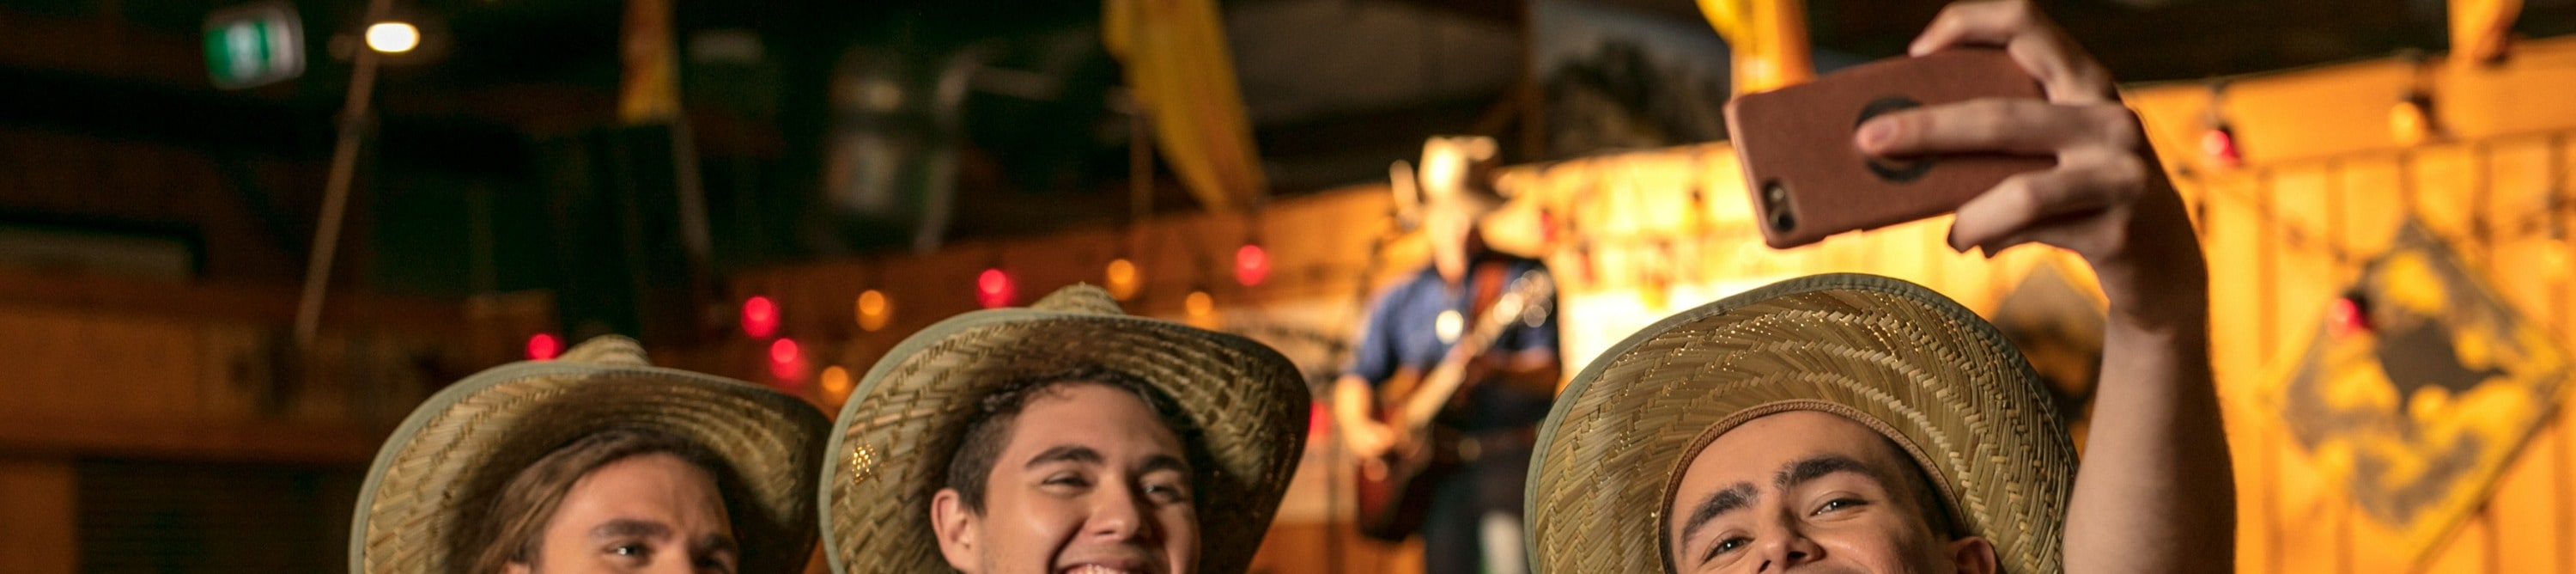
<point>1974,555</point>
<point>516,567</point>
<point>954,523</point>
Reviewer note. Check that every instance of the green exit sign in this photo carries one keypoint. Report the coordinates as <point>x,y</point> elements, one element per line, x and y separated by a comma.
<point>254,45</point>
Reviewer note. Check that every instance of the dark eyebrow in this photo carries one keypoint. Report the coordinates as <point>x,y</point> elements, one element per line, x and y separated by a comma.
<point>1166,462</point>
<point>1066,453</point>
<point>1733,498</point>
<point>1806,469</point>
<point>626,527</point>
<point>719,543</point>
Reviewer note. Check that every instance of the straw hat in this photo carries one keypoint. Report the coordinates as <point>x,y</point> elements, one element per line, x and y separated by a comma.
<point>1892,355</point>
<point>891,448</point>
<point>439,473</point>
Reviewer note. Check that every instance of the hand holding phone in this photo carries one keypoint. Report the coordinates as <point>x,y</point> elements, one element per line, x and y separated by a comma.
<point>1809,181</point>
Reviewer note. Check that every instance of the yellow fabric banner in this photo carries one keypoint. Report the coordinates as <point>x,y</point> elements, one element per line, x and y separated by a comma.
<point>1768,38</point>
<point>1181,73</point>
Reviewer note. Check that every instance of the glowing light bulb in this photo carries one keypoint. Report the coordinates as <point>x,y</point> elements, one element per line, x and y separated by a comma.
<point>392,37</point>
<point>759,317</point>
<point>544,346</point>
<point>874,310</point>
<point>1120,279</point>
<point>1251,264</point>
<point>994,288</point>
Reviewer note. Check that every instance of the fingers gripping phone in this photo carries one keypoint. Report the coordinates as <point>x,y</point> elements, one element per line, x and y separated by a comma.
<point>1810,181</point>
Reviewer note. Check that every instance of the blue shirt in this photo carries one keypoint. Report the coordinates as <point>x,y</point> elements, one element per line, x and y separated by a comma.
<point>1403,331</point>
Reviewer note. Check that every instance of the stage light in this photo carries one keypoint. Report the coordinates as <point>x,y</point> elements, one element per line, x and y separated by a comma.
<point>994,288</point>
<point>1120,279</point>
<point>786,361</point>
<point>1251,264</point>
<point>392,37</point>
<point>873,310</point>
<point>544,346</point>
<point>759,317</point>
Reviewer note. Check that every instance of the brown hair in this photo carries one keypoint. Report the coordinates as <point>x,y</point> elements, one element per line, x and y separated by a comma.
<point>511,529</point>
<point>983,439</point>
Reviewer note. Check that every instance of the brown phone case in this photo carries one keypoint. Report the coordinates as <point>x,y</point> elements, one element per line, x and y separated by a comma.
<point>1809,181</point>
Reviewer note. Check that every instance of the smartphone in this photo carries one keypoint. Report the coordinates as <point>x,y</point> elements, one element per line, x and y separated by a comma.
<point>1810,181</point>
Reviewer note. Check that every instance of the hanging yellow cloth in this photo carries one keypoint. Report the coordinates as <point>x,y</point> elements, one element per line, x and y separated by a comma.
<point>1180,71</point>
<point>2480,29</point>
<point>648,89</point>
<point>1768,38</point>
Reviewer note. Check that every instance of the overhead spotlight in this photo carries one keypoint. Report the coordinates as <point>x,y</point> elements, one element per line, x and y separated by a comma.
<point>392,37</point>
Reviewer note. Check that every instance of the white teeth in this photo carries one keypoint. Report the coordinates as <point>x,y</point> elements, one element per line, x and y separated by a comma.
<point>1097,569</point>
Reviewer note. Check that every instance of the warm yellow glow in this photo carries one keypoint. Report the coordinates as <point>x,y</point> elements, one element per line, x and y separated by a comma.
<point>2408,123</point>
<point>873,307</point>
<point>393,37</point>
<point>1200,304</point>
<point>1120,279</point>
<point>836,383</point>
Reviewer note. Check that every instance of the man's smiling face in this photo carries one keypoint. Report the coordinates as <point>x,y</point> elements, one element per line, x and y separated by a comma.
<point>1808,491</point>
<point>1089,480</point>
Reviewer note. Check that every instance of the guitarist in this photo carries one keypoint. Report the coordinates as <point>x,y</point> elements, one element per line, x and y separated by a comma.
<point>1475,514</point>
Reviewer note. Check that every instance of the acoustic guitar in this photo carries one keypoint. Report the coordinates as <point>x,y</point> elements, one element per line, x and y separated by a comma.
<point>1395,488</point>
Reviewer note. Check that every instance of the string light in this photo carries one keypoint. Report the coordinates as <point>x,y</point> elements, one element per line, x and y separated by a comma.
<point>873,310</point>
<point>836,383</point>
<point>544,346</point>
<point>994,288</point>
<point>759,317</point>
<point>1251,264</point>
<point>786,361</point>
<point>2349,315</point>
<point>1200,305</point>
<point>2218,143</point>
<point>1120,279</point>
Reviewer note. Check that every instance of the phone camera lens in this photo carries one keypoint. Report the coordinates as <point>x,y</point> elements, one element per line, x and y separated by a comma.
<point>1775,202</point>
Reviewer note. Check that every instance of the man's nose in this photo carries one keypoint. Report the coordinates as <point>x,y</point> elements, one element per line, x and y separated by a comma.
<point>1786,547</point>
<point>1120,514</point>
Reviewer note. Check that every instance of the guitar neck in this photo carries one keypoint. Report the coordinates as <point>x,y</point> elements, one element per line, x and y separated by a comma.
<point>1444,380</point>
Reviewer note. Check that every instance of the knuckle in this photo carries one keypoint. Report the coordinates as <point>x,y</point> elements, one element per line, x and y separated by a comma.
<point>2120,125</point>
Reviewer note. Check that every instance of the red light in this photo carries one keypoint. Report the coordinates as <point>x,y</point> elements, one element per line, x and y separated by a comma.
<point>759,317</point>
<point>2348,316</point>
<point>544,346</point>
<point>1251,265</point>
<point>1547,225</point>
<point>786,361</point>
<point>1315,421</point>
<point>2219,143</point>
<point>993,288</point>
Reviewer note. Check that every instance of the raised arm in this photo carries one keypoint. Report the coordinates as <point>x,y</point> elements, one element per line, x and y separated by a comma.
<point>2156,492</point>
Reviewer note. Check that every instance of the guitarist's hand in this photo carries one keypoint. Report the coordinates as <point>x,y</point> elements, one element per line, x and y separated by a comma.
<point>1368,438</point>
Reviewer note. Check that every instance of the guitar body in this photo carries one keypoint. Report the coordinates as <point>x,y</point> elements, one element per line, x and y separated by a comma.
<point>1395,489</point>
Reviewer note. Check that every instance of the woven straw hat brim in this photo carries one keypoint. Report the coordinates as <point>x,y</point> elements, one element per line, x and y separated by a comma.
<point>1892,355</point>
<point>891,450</point>
<point>442,468</point>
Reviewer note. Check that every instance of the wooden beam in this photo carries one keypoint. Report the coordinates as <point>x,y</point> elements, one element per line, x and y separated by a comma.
<point>279,442</point>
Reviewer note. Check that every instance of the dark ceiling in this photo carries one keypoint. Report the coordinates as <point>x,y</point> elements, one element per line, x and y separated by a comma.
<point>1337,88</point>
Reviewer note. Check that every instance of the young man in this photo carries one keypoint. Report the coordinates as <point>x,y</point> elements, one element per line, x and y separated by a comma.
<point>594,462</point>
<point>1063,437</point>
<point>1473,521</point>
<point>1862,424</point>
